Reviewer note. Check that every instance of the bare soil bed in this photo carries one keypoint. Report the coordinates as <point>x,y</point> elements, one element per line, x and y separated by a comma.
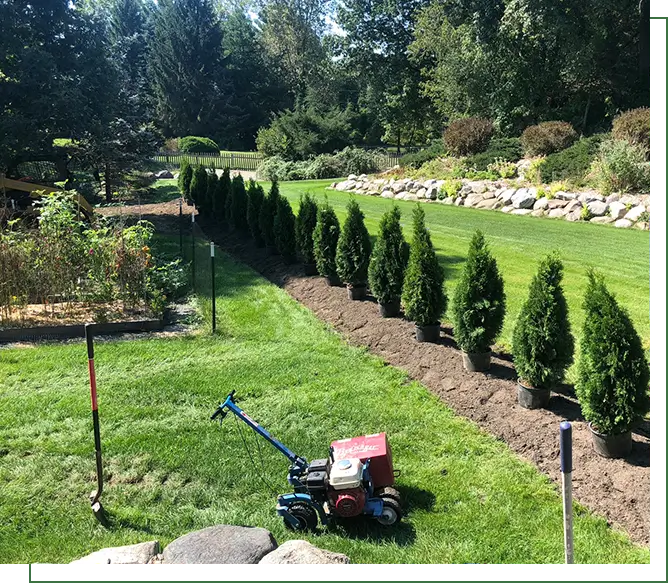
<point>617,489</point>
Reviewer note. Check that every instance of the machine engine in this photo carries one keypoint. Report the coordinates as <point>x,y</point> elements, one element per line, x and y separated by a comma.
<point>346,492</point>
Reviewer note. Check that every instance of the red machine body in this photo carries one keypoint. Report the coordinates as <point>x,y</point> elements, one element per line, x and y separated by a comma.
<point>348,503</point>
<point>374,447</point>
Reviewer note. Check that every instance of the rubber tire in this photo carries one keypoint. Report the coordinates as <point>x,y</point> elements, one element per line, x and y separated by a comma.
<point>388,492</point>
<point>306,515</point>
<point>394,505</point>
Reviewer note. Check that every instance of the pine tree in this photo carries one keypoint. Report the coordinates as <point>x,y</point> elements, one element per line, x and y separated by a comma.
<point>198,186</point>
<point>239,203</point>
<point>542,340</point>
<point>225,190</point>
<point>388,259</point>
<point>185,178</point>
<point>479,302</point>
<point>423,295</point>
<point>325,240</point>
<point>255,200</point>
<point>211,188</point>
<point>284,229</point>
<point>267,214</point>
<point>307,217</point>
<point>353,249</point>
<point>613,374</point>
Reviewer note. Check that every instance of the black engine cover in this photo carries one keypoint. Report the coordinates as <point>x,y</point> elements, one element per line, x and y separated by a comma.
<point>316,481</point>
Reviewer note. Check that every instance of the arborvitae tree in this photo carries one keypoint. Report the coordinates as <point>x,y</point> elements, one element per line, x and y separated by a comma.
<point>211,188</point>
<point>423,295</point>
<point>198,186</point>
<point>353,250</point>
<point>255,199</point>
<point>388,259</point>
<point>325,240</point>
<point>284,228</point>
<point>307,217</point>
<point>225,190</point>
<point>479,302</point>
<point>267,214</point>
<point>542,340</point>
<point>185,178</point>
<point>239,203</point>
<point>217,200</point>
<point>613,373</point>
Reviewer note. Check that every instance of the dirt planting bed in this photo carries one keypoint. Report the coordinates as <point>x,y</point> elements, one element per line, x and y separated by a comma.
<point>617,489</point>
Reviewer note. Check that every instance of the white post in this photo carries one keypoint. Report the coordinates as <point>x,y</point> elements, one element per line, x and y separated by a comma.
<point>566,447</point>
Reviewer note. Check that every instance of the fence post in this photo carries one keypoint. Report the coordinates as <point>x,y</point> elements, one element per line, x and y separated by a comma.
<point>566,449</point>
<point>213,289</point>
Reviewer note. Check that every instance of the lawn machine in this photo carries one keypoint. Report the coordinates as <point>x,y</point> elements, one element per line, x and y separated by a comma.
<point>355,479</point>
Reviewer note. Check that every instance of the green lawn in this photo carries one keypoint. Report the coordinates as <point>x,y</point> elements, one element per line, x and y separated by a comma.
<point>519,243</point>
<point>170,470</point>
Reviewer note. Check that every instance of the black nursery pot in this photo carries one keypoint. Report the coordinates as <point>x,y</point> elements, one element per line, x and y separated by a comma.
<point>356,292</point>
<point>310,269</point>
<point>532,398</point>
<point>428,333</point>
<point>389,310</point>
<point>333,280</point>
<point>477,361</point>
<point>611,445</point>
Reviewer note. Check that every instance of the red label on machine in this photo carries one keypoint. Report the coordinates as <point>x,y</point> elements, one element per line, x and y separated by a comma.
<point>374,447</point>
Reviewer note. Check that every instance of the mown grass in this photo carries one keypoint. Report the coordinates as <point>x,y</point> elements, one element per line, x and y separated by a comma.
<point>518,243</point>
<point>169,470</point>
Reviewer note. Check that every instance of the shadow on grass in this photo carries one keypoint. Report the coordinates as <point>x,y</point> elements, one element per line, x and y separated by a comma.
<point>117,521</point>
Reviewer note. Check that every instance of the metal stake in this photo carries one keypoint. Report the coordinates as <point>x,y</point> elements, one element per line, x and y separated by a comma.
<point>192,222</point>
<point>181,227</point>
<point>213,289</point>
<point>566,449</point>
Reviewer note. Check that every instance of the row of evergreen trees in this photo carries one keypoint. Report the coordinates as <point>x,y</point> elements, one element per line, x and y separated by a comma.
<point>613,374</point>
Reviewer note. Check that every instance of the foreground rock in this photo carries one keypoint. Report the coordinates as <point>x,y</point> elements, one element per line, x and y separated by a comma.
<point>139,554</point>
<point>301,552</point>
<point>221,544</point>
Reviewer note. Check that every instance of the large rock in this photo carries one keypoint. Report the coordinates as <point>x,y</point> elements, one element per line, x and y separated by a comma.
<point>623,223</point>
<point>602,220</point>
<point>634,213</point>
<point>301,552</point>
<point>387,194</point>
<point>587,197</point>
<point>473,199</point>
<point>556,203</point>
<point>597,207</point>
<point>565,195</point>
<point>403,195</point>
<point>489,203</point>
<point>138,554</point>
<point>352,177</point>
<point>523,199</point>
<point>617,210</point>
<point>541,204</point>
<point>522,211</point>
<point>221,544</point>
<point>422,193</point>
<point>557,213</point>
<point>432,193</point>
<point>573,206</point>
<point>164,174</point>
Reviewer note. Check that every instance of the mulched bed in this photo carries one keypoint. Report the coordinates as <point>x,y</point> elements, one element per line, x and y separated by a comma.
<point>617,489</point>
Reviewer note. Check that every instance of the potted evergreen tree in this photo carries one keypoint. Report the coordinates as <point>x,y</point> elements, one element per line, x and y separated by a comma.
<point>239,203</point>
<point>388,264</point>
<point>198,187</point>
<point>267,214</point>
<point>225,190</point>
<point>284,230</point>
<point>307,217</point>
<point>423,295</point>
<point>255,198</point>
<point>542,340</point>
<point>353,252</point>
<point>325,240</point>
<point>185,178</point>
<point>613,374</point>
<point>211,188</point>
<point>478,305</point>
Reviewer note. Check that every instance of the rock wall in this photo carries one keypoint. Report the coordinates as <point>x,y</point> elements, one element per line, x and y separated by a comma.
<point>619,210</point>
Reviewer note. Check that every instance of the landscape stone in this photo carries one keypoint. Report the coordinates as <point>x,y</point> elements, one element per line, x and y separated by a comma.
<point>614,197</point>
<point>573,205</point>
<point>540,204</point>
<point>522,211</point>
<point>597,207</point>
<point>523,199</point>
<point>410,196</point>
<point>352,177</point>
<point>557,213</point>
<point>422,193</point>
<point>387,194</point>
<point>537,213</point>
<point>556,203</point>
<point>617,210</point>
<point>634,213</point>
<point>473,199</point>
<point>432,193</point>
<point>565,195</point>
<point>623,223</point>
<point>301,552</point>
<point>507,195</point>
<point>221,544</point>
<point>574,215</point>
<point>642,225</point>
<point>602,220</point>
<point>139,554</point>
<point>589,197</point>
<point>164,174</point>
<point>489,203</point>
<point>507,209</point>
<point>459,201</point>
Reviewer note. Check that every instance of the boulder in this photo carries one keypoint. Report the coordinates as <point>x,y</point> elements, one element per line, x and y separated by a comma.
<point>602,220</point>
<point>221,544</point>
<point>447,200</point>
<point>523,199</point>
<point>589,197</point>
<point>139,554</point>
<point>352,177</point>
<point>387,194</point>
<point>541,204</point>
<point>432,193</point>
<point>403,195</point>
<point>459,201</point>
<point>573,206</point>
<point>556,203</point>
<point>473,199</point>
<point>397,187</point>
<point>507,195</point>
<point>642,226</point>
<point>341,186</point>
<point>628,199</point>
<point>557,213</point>
<point>489,203</point>
<point>574,215</point>
<point>164,174</point>
<point>410,196</point>
<point>565,195</point>
<point>478,187</point>
<point>634,213</point>
<point>537,213</point>
<point>301,552</point>
<point>522,211</point>
<point>489,195</point>
<point>362,177</point>
<point>617,210</point>
<point>507,209</point>
<point>614,197</point>
<point>422,193</point>
<point>597,207</point>
<point>623,223</point>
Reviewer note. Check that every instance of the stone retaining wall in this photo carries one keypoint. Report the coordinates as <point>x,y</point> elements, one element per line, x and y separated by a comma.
<point>619,210</point>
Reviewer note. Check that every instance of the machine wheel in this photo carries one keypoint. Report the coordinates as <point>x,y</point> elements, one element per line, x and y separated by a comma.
<point>305,514</point>
<point>391,512</point>
<point>388,492</point>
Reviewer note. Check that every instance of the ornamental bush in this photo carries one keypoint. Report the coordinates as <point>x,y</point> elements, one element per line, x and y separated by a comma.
<point>195,145</point>
<point>613,374</point>
<point>548,137</point>
<point>423,296</point>
<point>388,259</point>
<point>198,186</point>
<point>542,341</point>
<point>239,203</point>
<point>267,214</point>
<point>325,240</point>
<point>284,228</point>
<point>572,163</point>
<point>255,199</point>
<point>469,135</point>
<point>225,190</point>
<point>621,167</point>
<point>508,149</point>
<point>307,217</point>
<point>633,127</point>
<point>185,178</point>
<point>211,188</point>
<point>353,249</point>
<point>479,302</point>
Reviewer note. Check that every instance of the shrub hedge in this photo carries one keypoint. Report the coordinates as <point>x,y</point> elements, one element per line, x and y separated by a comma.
<point>325,240</point>
<point>388,259</point>
<point>307,217</point>
<point>267,214</point>
<point>353,249</point>
<point>633,127</point>
<point>284,229</point>
<point>547,137</point>
<point>255,198</point>
<point>470,135</point>
<point>508,149</point>
<point>572,163</point>
<point>196,144</point>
